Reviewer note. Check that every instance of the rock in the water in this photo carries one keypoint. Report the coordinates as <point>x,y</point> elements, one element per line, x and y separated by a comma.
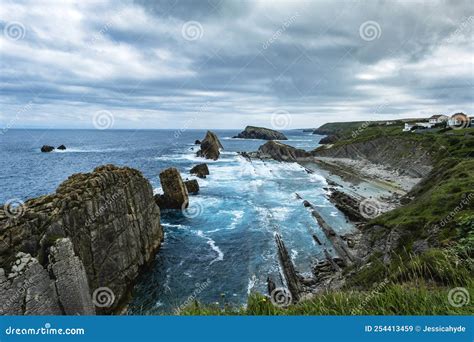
<point>97,231</point>
<point>281,152</point>
<point>62,147</point>
<point>175,194</point>
<point>192,186</point>
<point>200,170</point>
<point>252,132</point>
<point>197,142</point>
<point>47,148</point>
<point>210,147</point>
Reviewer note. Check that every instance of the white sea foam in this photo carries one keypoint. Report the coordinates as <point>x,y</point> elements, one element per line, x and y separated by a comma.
<point>170,225</point>
<point>214,247</point>
<point>294,254</point>
<point>79,150</point>
<point>236,218</point>
<point>280,213</point>
<point>251,284</point>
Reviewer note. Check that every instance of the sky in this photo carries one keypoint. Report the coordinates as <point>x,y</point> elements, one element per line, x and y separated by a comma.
<point>228,64</point>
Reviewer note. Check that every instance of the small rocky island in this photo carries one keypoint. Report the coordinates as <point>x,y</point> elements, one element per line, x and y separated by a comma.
<point>252,132</point>
<point>280,152</point>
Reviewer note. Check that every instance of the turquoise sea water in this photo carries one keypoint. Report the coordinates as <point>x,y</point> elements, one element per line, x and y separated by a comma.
<point>223,247</point>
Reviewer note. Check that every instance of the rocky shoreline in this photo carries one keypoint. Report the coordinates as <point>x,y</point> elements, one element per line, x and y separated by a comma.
<point>80,250</point>
<point>84,244</point>
<point>100,230</point>
<point>364,181</point>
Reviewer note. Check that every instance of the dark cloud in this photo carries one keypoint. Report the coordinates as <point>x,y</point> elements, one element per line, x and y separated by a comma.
<point>156,63</point>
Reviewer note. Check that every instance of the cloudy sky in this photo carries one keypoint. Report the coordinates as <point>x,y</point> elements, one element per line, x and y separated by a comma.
<point>226,64</point>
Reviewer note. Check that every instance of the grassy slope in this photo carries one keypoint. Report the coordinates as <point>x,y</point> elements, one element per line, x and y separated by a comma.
<point>409,284</point>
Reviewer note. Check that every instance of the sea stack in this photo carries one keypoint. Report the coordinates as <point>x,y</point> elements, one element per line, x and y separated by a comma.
<point>210,147</point>
<point>175,194</point>
<point>192,186</point>
<point>200,170</point>
<point>252,132</point>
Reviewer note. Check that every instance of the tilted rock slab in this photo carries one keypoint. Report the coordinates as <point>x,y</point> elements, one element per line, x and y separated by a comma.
<point>175,193</point>
<point>210,147</point>
<point>98,230</point>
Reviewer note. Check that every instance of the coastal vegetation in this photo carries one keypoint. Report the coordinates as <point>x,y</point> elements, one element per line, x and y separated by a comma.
<point>434,229</point>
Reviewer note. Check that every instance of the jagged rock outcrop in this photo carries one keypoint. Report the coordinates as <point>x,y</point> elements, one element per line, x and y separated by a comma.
<point>61,147</point>
<point>200,170</point>
<point>349,205</point>
<point>47,148</point>
<point>210,147</point>
<point>407,157</point>
<point>281,152</point>
<point>61,288</point>
<point>175,194</point>
<point>98,230</point>
<point>252,132</point>
<point>330,139</point>
<point>197,142</point>
<point>192,186</point>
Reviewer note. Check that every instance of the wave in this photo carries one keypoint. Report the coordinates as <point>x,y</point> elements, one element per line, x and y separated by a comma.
<point>171,225</point>
<point>79,150</point>
<point>214,247</point>
<point>251,284</point>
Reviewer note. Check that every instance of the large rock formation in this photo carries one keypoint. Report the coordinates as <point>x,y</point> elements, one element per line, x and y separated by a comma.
<point>175,194</point>
<point>210,147</point>
<point>200,170</point>
<point>95,232</point>
<point>252,132</point>
<point>407,157</point>
<point>281,152</point>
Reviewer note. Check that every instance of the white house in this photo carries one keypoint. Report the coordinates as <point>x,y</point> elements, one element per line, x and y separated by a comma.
<point>435,119</point>
<point>409,127</point>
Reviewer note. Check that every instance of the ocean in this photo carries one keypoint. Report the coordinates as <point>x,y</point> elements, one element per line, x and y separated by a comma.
<point>223,247</point>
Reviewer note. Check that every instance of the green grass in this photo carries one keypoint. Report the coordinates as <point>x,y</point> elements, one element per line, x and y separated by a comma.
<point>391,299</point>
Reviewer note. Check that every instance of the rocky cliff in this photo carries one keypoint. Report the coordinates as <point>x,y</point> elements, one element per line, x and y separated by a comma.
<point>78,251</point>
<point>252,132</point>
<point>403,155</point>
